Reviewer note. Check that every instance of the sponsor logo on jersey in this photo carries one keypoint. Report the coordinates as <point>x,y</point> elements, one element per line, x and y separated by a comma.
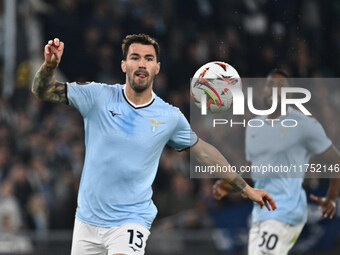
<point>114,113</point>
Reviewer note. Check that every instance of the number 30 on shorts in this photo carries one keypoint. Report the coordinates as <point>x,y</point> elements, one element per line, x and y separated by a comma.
<point>269,241</point>
<point>136,238</point>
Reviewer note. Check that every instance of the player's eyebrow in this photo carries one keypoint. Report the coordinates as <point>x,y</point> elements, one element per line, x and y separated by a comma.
<point>150,56</point>
<point>134,54</point>
<point>146,56</point>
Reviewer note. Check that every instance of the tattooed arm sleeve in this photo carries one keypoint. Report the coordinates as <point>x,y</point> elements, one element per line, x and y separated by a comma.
<point>47,88</point>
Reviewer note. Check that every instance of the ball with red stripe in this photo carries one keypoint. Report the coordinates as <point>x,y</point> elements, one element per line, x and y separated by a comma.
<point>214,79</point>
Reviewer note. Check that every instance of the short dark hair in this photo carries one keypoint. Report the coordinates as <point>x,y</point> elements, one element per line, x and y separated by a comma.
<point>278,71</point>
<point>142,39</point>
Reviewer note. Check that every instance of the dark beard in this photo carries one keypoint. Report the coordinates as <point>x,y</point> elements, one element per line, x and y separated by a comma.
<point>139,89</point>
<point>136,88</point>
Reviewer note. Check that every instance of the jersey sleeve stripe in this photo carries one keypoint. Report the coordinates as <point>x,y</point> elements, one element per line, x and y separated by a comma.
<point>186,148</point>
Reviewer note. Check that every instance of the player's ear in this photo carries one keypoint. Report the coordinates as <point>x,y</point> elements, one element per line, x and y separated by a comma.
<point>123,66</point>
<point>158,67</point>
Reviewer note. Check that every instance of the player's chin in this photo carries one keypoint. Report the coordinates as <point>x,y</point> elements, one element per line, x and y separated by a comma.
<point>140,86</point>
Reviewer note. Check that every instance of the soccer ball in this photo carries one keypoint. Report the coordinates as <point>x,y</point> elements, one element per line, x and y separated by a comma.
<point>214,80</point>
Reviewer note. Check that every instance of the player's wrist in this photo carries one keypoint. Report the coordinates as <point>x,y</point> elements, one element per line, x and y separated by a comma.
<point>238,183</point>
<point>246,190</point>
<point>331,201</point>
<point>332,196</point>
<point>50,66</point>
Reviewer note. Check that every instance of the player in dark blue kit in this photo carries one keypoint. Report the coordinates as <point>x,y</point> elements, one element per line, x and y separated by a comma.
<point>126,129</point>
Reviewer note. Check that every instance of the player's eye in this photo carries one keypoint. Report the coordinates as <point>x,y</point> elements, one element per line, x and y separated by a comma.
<point>149,59</point>
<point>134,57</point>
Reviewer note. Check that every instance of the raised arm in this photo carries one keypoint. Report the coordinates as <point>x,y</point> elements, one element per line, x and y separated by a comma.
<point>208,155</point>
<point>45,86</point>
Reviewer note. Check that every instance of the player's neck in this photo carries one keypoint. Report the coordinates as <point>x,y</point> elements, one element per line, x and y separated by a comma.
<point>138,98</point>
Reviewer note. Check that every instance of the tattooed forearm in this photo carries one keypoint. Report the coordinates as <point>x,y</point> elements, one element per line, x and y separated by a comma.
<point>238,183</point>
<point>208,155</point>
<point>46,87</point>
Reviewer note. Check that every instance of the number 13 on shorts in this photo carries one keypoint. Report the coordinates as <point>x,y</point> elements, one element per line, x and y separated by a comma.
<point>130,239</point>
<point>133,236</point>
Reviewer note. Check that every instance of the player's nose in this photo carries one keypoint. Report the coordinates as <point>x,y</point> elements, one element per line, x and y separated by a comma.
<point>142,63</point>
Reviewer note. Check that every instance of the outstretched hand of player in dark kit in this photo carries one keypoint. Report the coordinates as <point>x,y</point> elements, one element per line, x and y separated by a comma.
<point>53,52</point>
<point>328,205</point>
<point>221,189</point>
<point>261,197</point>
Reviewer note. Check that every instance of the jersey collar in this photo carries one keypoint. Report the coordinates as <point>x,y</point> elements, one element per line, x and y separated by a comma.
<point>140,105</point>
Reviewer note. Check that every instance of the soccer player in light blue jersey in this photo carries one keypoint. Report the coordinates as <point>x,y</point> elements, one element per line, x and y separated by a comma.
<point>126,129</point>
<point>274,145</point>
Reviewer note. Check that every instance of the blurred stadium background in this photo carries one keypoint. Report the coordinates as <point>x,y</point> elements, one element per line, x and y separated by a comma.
<point>41,144</point>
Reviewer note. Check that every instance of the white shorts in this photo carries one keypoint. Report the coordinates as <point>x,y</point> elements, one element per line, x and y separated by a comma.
<point>272,237</point>
<point>128,239</point>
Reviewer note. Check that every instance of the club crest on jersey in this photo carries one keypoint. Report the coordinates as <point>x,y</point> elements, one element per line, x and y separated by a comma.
<point>154,124</point>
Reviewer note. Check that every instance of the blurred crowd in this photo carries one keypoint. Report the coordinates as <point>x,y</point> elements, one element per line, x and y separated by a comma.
<point>42,144</point>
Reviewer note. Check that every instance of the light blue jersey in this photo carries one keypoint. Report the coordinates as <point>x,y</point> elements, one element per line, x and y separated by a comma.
<point>123,146</point>
<point>284,146</point>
